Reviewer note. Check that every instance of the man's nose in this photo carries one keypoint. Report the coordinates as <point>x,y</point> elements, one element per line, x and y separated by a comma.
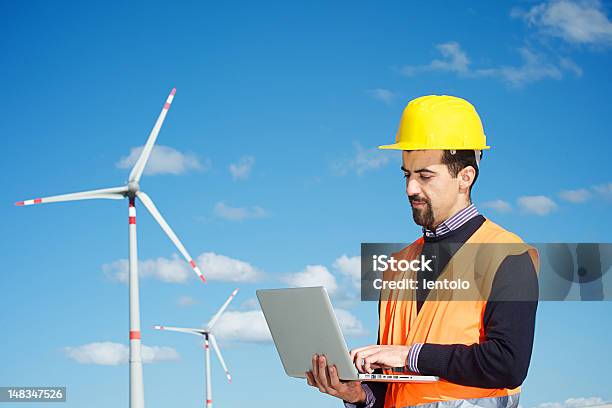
<point>413,187</point>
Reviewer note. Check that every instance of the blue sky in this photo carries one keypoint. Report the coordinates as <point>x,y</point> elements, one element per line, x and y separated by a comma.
<point>267,166</point>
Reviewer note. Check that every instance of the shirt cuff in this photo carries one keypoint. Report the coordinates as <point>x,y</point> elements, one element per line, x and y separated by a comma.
<point>413,357</point>
<point>434,358</point>
<point>369,402</point>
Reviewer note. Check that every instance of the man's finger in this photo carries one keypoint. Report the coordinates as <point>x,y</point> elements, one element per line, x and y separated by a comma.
<point>369,360</point>
<point>315,373</point>
<point>315,365</point>
<point>333,377</point>
<point>358,360</point>
<point>361,355</point>
<point>328,378</point>
<point>358,349</point>
<point>310,380</point>
<point>322,374</point>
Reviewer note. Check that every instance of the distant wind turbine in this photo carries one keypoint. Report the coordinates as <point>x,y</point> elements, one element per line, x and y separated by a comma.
<point>207,334</point>
<point>131,191</point>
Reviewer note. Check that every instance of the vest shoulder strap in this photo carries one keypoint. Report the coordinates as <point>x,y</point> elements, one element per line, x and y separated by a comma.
<point>491,232</point>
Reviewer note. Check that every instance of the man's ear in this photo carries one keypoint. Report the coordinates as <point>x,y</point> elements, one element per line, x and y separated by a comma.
<point>466,178</point>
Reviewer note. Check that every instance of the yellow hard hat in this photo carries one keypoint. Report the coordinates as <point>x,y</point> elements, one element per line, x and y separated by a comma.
<point>439,122</point>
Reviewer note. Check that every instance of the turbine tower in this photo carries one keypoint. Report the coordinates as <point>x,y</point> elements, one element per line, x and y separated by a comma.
<point>131,191</point>
<point>209,337</point>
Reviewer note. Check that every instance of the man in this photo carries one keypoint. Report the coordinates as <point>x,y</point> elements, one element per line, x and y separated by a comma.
<point>480,348</point>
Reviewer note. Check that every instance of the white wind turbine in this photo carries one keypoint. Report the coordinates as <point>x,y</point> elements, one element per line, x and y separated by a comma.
<point>208,336</point>
<point>131,191</point>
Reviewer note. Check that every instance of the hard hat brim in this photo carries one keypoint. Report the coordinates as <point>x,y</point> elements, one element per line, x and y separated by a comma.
<point>404,146</point>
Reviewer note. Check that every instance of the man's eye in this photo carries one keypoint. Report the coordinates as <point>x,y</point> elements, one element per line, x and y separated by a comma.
<point>424,177</point>
<point>405,175</point>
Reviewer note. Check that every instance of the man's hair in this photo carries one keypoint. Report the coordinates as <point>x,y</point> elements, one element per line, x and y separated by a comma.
<point>460,160</point>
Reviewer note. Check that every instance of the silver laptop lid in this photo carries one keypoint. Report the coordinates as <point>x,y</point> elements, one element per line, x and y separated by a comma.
<point>303,323</point>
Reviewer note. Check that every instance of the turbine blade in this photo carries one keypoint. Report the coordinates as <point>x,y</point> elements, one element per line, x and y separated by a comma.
<point>114,193</point>
<point>138,168</point>
<point>181,329</point>
<point>214,319</point>
<point>148,203</point>
<point>213,341</point>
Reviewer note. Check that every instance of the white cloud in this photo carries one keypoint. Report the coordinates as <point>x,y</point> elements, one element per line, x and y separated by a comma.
<point>577,22</point>
<point>351,267</point>
<point>383,95</point>
<point>538,205</point>
<point>242,169</point>
<point>109,353</point>
<point>251,326</point>
<point>313,275</point>
<point>534,67</point>
<point>574,403</point>
<point>154,354</point>
<point>363,160</point>
<point>575,196</point>
<point>173,270</point>
<point>250,303</point>
<point>185,301</point>
<point>223,268</point>
<point>227,212</point>
<point>604,190</point>
<point>247,326</point>
<point>455,60</point>
<point>104,353</point>
<point>176,270</point>
<point>164,160</point>
<point>570,65</point>
<point>117,270</point>
<point>349,324</point>
<point>500,206</point>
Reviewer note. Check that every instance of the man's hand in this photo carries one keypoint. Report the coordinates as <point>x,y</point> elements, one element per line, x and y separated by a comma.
<point>369,358</point>
<point>326,379</point>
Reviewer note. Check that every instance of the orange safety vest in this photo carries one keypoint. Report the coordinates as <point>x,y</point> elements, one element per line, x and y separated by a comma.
<point>442,320</point>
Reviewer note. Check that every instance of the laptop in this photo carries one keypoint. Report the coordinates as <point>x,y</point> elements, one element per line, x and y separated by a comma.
<point>303,323</point>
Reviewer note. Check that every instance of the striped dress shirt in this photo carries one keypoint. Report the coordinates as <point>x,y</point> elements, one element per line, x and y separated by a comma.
<point>451,224</point>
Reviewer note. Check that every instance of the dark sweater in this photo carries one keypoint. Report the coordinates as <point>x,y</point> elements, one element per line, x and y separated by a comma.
<point>502,359</point>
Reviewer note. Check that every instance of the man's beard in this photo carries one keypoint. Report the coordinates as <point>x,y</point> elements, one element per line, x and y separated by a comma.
<point>422,216</point>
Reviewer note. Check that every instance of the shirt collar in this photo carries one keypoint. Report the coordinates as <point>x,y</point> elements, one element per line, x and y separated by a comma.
<point>452,223</point>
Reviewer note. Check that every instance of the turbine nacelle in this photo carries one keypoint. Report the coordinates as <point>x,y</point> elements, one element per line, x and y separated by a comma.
<point>132,188</point>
